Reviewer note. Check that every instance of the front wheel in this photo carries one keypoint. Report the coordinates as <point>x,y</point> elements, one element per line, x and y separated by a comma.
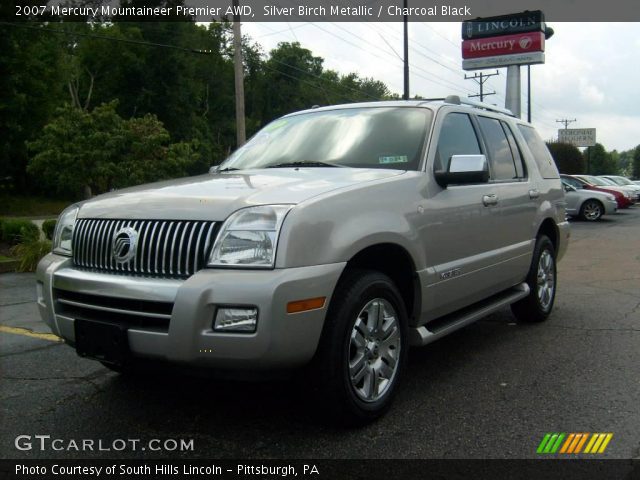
<point>591,210</point>
<point>541,279</point>
<point>363,347</point>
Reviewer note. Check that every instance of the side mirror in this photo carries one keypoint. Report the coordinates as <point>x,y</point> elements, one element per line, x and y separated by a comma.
<point>569,188</point>
<point>464,169</point>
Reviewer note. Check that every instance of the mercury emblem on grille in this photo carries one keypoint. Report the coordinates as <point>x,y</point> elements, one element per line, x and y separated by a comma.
<point>124,244</point>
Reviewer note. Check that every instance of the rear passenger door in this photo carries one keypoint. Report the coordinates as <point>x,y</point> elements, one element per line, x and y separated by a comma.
<point>517,201</point>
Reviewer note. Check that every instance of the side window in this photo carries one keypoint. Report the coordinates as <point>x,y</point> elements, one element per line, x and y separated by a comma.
<point>540,152</point>
<point>521,171</point>
<point>457,137</point>
<point>500,155</point>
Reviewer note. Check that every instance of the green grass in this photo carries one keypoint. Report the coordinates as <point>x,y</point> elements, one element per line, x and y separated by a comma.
<point>4,258</point>
<point>25,206</point>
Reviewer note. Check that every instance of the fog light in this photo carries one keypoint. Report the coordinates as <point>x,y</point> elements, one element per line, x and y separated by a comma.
<point>236,319</point>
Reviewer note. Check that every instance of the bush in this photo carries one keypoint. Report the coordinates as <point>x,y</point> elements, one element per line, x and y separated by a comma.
<point>18,231</point>
<point>30,253</point>
<point>48,226</point>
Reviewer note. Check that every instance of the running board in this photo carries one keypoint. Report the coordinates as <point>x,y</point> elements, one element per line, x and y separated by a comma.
<point>422,336</point>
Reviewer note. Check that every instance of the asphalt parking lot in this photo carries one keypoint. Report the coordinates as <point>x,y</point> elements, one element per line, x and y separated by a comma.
<point>491,390</point>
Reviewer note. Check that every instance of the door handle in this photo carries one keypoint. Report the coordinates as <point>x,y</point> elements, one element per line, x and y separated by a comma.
<point>533,194</point>
<point>488,200</point>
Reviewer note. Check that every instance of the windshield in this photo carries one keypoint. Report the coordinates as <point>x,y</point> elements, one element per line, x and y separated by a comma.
<point>372,137</point>
<point>622,181</point>
<point>608,181</point>
<point>596,181</point>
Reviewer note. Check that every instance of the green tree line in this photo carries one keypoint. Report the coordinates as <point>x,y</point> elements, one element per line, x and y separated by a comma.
<point>88,107</point>
<point>595,160</point>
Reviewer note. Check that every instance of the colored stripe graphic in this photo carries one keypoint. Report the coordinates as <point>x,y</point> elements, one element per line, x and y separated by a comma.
<point>573,443</point>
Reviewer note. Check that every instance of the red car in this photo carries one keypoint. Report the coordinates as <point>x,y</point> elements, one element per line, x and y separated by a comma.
<point>579,183</point>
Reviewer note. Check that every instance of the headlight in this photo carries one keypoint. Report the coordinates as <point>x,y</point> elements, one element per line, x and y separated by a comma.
<point>249,237</point>
<point>64,231</point>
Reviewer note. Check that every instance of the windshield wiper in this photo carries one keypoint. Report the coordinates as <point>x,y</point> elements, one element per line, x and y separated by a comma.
<point>303,163</point>
<point>228,169</point>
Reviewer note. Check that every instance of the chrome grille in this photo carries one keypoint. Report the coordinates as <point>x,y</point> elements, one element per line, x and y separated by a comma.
<point>164,248</point>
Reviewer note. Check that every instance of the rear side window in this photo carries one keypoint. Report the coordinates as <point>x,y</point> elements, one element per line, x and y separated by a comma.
<point>521,171</point>
<point>457,137</point>
<point>500,155</point>
<point>540,152</point>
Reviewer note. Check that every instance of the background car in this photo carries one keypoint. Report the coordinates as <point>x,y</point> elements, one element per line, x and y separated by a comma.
<point>602,182</point>
<point>623,201</point>
<point>623,182</point>
<point>588,205</point>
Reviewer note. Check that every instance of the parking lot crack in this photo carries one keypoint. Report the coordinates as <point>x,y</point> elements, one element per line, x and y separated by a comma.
<point>15,303</point>
<point>590,329</point>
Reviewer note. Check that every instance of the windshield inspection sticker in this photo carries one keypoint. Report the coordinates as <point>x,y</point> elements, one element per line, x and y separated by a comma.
<point>393,159</point>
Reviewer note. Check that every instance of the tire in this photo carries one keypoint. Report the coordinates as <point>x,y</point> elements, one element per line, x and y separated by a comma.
<point>542,280</point>
<point>121,369</point>
<point>363,348</point>
<point>591,210</point>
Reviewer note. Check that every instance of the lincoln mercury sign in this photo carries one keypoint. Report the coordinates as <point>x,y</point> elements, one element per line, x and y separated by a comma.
<point>579,137</point>
<point>503,45</point>
<point>503,25</point>
<point>516,39</point>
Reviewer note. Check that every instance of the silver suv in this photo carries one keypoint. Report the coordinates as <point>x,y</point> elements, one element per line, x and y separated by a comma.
<point>334,240</point>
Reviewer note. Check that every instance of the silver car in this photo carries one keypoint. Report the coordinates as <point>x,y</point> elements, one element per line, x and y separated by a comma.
<point>332,241</point>
<point>589,205</point>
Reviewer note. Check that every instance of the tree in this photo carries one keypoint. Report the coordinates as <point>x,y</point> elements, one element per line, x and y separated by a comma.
<point>97,151</point>
<point>568,158</point>
<point>636,162</point>
<point>599,161</point>
<point>30,91</point>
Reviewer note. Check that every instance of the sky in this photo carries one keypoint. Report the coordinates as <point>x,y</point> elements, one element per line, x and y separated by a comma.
<point>590,72</point>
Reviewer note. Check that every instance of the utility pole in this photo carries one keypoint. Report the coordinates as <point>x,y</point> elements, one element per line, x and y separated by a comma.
<point>512,94</point>
<point>241,135</point>
<point>566,122</point>
<point>480,79</point>
<point>406,53</point>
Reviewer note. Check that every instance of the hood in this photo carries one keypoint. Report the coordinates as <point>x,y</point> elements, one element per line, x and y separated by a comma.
<point>216,196</point>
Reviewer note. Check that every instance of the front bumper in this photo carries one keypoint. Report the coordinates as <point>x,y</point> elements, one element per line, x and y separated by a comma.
<point>281,340</point>
<point>564,233</point>
<point>610,207</point>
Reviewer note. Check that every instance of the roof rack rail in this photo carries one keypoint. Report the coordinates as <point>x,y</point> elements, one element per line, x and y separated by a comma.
<point>456,100</point>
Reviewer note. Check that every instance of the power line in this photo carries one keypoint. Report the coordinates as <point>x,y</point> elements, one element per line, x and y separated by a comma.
<point>480,80</point>
<point>106,37</point>
<point>450,84</point>
<point>566,122</point>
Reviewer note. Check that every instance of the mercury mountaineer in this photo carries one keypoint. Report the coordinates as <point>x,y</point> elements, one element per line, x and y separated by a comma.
<point>330,243</point>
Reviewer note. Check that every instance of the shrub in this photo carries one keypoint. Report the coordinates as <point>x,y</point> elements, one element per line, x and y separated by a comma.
<point>48,226</point>
<point>30,253</point>
<point>18,231</point>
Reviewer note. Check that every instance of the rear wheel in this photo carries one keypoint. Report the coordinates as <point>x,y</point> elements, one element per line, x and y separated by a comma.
<point>591,210</point>
<point>363,347</point>
<point>541,279</point>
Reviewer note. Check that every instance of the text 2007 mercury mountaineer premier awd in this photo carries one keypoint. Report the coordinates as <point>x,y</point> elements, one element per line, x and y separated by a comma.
<point>333,240</point>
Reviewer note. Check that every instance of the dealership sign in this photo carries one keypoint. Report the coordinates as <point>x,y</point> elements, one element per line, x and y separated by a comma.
<point>579,137</point>
<point>503,45</point>
<point>516,39</point>
<point>503,25</point>
<point>503,61</point>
